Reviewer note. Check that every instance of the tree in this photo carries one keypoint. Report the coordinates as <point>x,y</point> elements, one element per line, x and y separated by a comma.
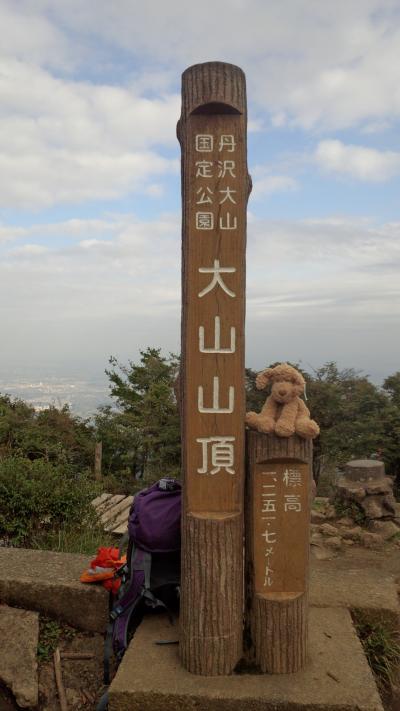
<point>392,386</point>
<point>392,425</point>
<point>120,442</point>
<point>55,435</point>
<point>146,421</point>
<point>254,398</point>
<point>15,415</point>
<point>45,482</point>
<point>351,412</point>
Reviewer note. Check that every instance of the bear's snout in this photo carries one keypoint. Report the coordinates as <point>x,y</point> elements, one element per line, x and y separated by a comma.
<point>283,391</point>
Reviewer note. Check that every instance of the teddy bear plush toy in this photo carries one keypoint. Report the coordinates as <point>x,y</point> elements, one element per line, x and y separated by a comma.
<point>284,412</point>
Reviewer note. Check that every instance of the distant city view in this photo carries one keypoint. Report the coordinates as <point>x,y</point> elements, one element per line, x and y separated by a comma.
<point>82,395</point>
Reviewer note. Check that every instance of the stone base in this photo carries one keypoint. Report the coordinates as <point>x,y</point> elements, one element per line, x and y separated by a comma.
<point>19,634</point>
<point>365,589</point>
<point>364,483</point>
<point>49,583</point>
<point>336,678</point>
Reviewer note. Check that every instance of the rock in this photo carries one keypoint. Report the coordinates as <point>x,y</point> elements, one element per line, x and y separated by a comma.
<point>321,553</point>
<point>49,583</point>
<point>381,486</point>
<point>350,490</point>
<point>322,500</point>
<point>395,696</point>
<point>352,534</point>
<point>74,698</point>
<point>19,633</point>
<point>345,521</point>
<point>334,542</point>
<point>328,530</point>
<point>316,538</point>
<point>317,516</point>
<point>389,504</point>
<point>347,542</point>
<point>371,540</point>
<point>330,512</point>
<point>373,507</point>
<point>387,529</point>
<point>378,506</point>
<point>364,482</point>
<point>314,528</point>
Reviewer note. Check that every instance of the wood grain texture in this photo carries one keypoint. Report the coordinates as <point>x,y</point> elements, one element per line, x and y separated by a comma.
<point>279,633</point>
<point>276,623</point>
<point>213,106</point>
<point>213,83</point>
<point>212,598</point>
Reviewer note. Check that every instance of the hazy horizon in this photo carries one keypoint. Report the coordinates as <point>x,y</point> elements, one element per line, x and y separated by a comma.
<point>86,390</point>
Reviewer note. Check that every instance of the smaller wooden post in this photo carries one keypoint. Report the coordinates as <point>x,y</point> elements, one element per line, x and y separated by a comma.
<point>98,450</point>
<point>278,491</point>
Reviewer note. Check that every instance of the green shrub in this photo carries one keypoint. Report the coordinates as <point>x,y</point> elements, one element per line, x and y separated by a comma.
<point>351,509</point>
<point>39,497</point>
<point>380,639</point>
<point>84,538</point>
<point>50,634</point>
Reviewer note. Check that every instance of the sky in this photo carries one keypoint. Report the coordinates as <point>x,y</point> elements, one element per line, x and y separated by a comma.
<point>90,212</point>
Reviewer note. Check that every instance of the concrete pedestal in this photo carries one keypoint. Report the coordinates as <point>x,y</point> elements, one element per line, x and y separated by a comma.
<point>336,676</point>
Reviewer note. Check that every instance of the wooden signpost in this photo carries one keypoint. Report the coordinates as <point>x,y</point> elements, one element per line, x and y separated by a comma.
<point>98,451</point>
<point>215,189</point>
<point>278,498</point>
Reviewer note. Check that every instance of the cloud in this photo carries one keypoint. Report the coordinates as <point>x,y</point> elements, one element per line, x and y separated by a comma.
<point>104,277</point>
<point>309,64</point>
<point>318,246</point>
<point>28,35</point>
<point>69,141</point>
<point>324,289</point>
<point>72,135</point>
<point>317,289</point>
<point>357,162</point>
<point>29,250</point>
<point>8,233</point>
<point>266,184</point>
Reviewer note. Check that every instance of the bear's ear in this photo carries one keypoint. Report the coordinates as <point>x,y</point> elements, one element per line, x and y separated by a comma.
<point>299,382</point>
<point>263,378</point>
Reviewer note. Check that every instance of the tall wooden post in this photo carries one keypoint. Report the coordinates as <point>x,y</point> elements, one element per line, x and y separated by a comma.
<point>98,452</point>
<point>278,500</point>
<point>215,188</point>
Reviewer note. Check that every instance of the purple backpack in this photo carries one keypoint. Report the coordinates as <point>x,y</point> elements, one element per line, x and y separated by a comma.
<point>151,575</point>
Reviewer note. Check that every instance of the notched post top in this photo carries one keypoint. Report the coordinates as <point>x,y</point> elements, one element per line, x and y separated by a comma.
<point>212,88</point>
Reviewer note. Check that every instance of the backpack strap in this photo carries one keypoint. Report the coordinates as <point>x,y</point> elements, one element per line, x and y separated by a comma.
<point>124,540</point>
<point>150,599</point>
<point>142,562</point>
<point>115,609</point>
<point>135,586</point>
<point>103,702</point>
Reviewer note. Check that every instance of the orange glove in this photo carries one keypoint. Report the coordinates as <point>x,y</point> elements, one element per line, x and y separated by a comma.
<point>102,568</point>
